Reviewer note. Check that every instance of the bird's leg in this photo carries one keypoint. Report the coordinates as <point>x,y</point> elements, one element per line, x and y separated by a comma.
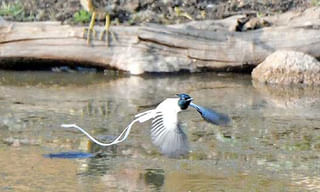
<point>90,30</point>
<point>106,30</point>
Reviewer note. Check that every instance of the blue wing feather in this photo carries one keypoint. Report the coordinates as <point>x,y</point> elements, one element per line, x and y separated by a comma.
<point>69,155</point>
<point>212,116</point>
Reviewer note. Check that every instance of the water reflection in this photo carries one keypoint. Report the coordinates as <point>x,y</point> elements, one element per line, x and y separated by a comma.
<point>272,144</point>
<point>154,178</point>
<point>290,97</point>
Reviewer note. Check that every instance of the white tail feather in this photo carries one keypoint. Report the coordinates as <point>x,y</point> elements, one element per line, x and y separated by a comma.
<point>145,116</point>
<point>141,117</point>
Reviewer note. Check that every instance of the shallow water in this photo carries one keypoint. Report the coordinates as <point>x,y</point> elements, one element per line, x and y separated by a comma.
<point>273,143</point>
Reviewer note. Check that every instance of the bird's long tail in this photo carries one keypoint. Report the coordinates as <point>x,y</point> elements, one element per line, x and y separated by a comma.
<point>142,117</point>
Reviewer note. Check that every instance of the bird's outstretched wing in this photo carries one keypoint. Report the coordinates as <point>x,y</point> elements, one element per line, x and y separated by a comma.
<point>168,136</point>
<point>212,116</point>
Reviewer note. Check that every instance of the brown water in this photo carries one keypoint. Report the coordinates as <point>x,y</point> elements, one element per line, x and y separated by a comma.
<point>273,143</point>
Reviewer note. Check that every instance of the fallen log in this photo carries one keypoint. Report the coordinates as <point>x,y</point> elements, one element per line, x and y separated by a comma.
<point>196,46</point>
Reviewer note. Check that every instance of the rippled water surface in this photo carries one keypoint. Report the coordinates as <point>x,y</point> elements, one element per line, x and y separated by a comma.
<point>273,143</point>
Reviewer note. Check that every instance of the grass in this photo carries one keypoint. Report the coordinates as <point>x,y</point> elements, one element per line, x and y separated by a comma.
<point>315,2</point>
<point>82,16</point>
<point>11,9</point>
<point>15,11</point>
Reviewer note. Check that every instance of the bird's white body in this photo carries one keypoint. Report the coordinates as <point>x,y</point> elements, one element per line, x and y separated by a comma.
<point>166,132</point>
<point>169,107</point>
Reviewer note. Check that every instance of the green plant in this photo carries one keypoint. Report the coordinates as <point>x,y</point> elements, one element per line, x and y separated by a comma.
<point>315,2</point>
<point>11,9</point>
<point>82,16</point>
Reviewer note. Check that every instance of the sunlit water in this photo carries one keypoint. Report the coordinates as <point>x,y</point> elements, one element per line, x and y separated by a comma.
<point>273,143</point>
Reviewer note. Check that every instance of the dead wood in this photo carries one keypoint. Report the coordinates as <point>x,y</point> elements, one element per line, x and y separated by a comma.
<point>195,46</point>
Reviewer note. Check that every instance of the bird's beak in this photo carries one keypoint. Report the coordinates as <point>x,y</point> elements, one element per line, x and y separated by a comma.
<point>190,99</point>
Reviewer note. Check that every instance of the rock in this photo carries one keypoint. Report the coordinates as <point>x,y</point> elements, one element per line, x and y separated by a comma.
<point>288,67</point>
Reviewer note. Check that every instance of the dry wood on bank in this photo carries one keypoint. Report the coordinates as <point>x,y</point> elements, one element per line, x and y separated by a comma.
<point>231,44</point>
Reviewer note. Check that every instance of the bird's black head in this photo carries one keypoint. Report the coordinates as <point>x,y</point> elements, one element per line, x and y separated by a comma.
<point>184,101</point>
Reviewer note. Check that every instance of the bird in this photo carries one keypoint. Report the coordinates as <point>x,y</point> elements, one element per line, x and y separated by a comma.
<point>166,131</point>
<point>98,8</point>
